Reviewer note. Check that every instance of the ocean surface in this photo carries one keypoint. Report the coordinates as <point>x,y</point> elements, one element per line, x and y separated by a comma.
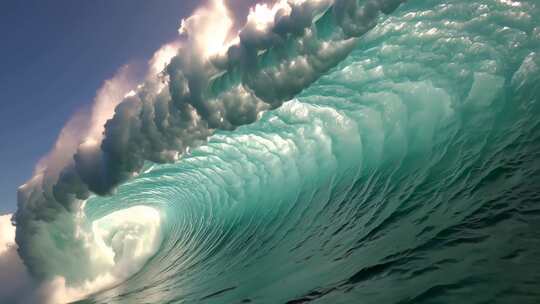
<point>408,173</point>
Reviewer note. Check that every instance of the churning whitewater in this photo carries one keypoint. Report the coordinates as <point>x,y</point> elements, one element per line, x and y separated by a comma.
<point>327,151</point>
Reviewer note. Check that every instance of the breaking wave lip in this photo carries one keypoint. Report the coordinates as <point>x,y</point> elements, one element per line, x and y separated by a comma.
<point>343,190</point>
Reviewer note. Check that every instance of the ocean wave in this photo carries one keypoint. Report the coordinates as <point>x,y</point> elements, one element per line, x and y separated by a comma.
<point>401,167</point>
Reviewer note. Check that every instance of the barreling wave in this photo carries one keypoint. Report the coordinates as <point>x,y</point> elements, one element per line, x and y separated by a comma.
<point>334,151</point>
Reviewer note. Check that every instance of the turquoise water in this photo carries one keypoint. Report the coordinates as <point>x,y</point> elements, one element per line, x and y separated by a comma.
<point>408,173</point>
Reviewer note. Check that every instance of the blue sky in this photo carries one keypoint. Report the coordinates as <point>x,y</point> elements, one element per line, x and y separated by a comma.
<point>54,55</point>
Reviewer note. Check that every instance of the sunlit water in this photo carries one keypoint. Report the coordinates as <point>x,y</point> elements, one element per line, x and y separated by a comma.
<point>408,174</point>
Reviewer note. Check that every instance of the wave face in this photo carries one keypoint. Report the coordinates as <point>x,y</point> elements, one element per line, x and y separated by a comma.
<point>407,173</point>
